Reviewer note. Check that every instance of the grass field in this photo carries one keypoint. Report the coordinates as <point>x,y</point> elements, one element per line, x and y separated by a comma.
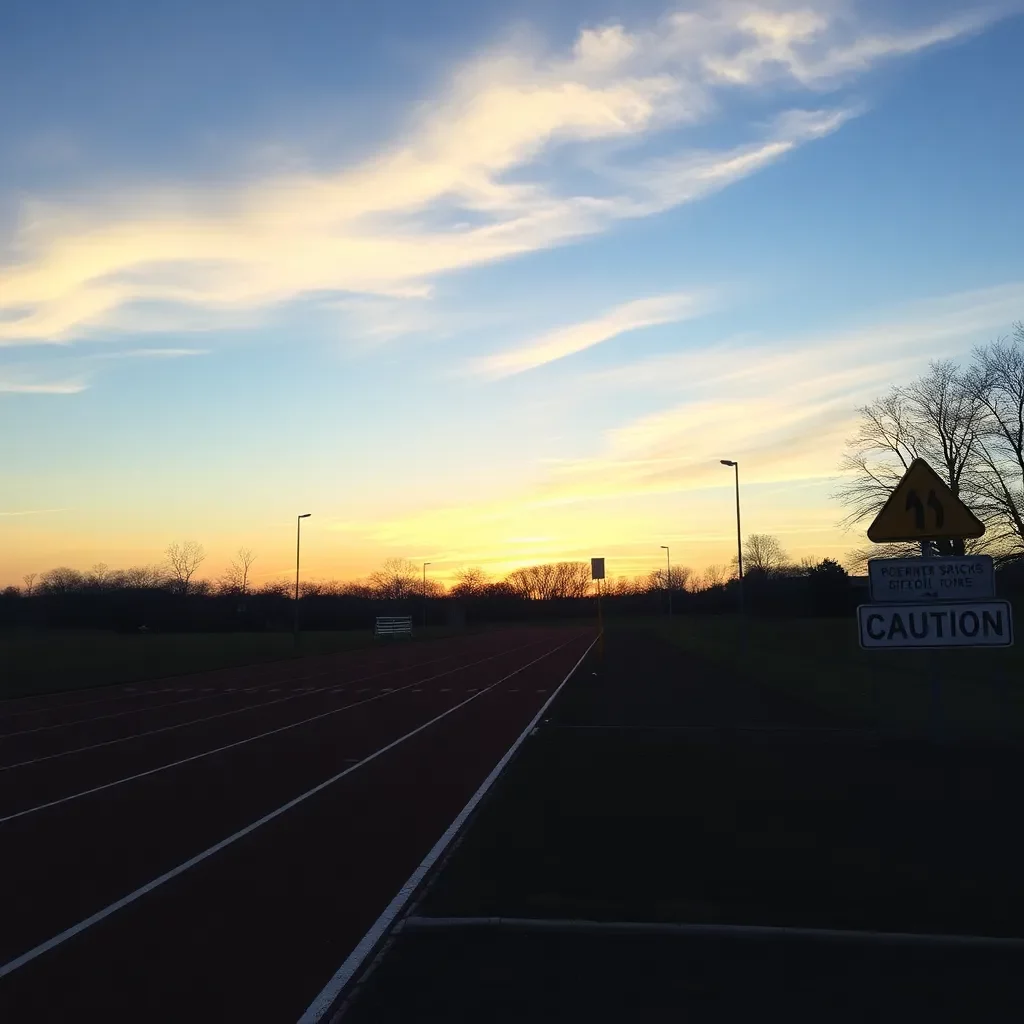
<point>49,660</point>
<point>819,660</point>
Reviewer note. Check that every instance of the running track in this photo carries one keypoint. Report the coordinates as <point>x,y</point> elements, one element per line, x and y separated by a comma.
<point>213,847</point>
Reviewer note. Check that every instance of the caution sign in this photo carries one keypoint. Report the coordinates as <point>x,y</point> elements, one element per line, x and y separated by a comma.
<point>922,507</point>
<point>942,624</point>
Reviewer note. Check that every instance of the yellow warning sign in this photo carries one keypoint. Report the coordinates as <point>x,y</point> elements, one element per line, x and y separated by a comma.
<point>922,507</point>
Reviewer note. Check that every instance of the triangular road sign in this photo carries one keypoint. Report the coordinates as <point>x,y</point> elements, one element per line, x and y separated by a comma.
<point>922,507</point>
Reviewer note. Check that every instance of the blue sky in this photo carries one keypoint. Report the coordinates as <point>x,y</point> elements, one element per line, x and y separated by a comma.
<point>481,284</point>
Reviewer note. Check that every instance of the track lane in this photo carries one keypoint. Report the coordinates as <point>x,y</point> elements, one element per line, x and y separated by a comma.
<point>41,783</point>
<point>253,932</point>
<point>72,738</point>
<point>66,861</point>
<point>23,713</point>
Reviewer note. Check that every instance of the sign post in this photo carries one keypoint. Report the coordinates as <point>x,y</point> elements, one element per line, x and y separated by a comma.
<point>935,601</point>
<point>597,573</point>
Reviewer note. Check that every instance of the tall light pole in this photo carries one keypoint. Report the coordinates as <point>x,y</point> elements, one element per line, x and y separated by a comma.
<point>425,564</point>
<point>298,537</point>
<point>668,576</point>
<point>739,532</point>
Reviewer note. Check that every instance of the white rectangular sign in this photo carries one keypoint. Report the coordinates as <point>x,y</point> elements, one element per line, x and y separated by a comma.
<point>939,624</point>
<point>948,578</point>
<point>597,568</point>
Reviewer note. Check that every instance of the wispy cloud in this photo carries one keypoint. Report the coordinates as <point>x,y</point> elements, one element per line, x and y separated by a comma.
<point>68,387</point>
<point>441,197</point>
<point>35,511</point>
<point>782,406</point>
<point>153,353</point>
<point>566,341</point>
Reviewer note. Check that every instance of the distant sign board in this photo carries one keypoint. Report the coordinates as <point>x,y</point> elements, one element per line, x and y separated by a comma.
<point>932,579</point>
<point>938,624</point>
<point>597,568</point>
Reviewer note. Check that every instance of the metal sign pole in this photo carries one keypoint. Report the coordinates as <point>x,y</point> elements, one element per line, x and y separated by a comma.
<point>931,667</point>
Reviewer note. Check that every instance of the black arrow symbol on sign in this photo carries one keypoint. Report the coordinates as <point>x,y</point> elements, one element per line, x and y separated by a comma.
<point>936,506</point>
<point>914,502</point>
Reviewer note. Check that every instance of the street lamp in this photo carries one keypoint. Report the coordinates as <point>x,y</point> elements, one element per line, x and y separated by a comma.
<point>425,564</point>
<point>298,537</point>
<point>668,576</point>
<point>739,532</point>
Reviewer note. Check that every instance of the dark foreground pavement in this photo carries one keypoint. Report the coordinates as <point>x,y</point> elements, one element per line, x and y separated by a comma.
<point>661,790</point>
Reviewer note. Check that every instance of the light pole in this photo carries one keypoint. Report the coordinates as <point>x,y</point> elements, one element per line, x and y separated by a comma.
<point>668,576</point>
<point>739,532</point>
<point>425,564</point>
<point>298,537</point>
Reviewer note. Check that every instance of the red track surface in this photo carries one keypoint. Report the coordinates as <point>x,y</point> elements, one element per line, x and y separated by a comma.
<point>103,792</point>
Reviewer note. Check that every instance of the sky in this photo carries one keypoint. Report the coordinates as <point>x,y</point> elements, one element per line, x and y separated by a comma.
<point>481,283</point>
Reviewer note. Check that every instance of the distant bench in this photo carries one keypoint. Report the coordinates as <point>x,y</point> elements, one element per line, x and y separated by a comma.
<point>393,625</point>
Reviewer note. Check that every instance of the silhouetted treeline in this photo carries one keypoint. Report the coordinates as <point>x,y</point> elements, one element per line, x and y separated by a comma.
<point>131,608</point>
<point>545,593</point>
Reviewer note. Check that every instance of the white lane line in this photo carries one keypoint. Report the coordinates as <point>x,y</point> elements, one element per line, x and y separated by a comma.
<point>109,699</point>
<point>331,992</point>
<point>236,743</point>
<point>192,700</point>
<point>44,947</point>
<point>222,714</point>
<point>104,718</point>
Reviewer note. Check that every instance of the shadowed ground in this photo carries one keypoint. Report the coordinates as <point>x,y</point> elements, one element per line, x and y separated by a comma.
<point>670,787</point>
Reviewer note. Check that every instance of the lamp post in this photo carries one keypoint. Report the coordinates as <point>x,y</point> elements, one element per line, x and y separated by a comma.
<point>739,532</point>
<point>298,538</point>
<point>425,564</point>
<point>668,576</point>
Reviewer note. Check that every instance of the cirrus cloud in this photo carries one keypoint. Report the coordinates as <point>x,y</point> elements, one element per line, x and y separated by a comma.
<point>483,173</point>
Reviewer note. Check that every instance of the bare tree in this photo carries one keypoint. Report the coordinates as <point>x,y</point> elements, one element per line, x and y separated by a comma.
<point>572,579</point>
<point>623,586</point>
<point>713,576</point>
<point>312,588</point>
<point>395,580</point>
<point>936,417</point>
<point>358,589</point>
<point>183,559</point>
<point>471,582</point>
<point>29,579</point>
<point>763,553</point>
<point>236,576</point>
<point>61,580</point>
<point>969,425</point>
<point>276,588</point>
<point>100,576</point>
<point>143,577</point>
<point>679,579</point>
<point>550,581</point>
<point>996,382</point>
